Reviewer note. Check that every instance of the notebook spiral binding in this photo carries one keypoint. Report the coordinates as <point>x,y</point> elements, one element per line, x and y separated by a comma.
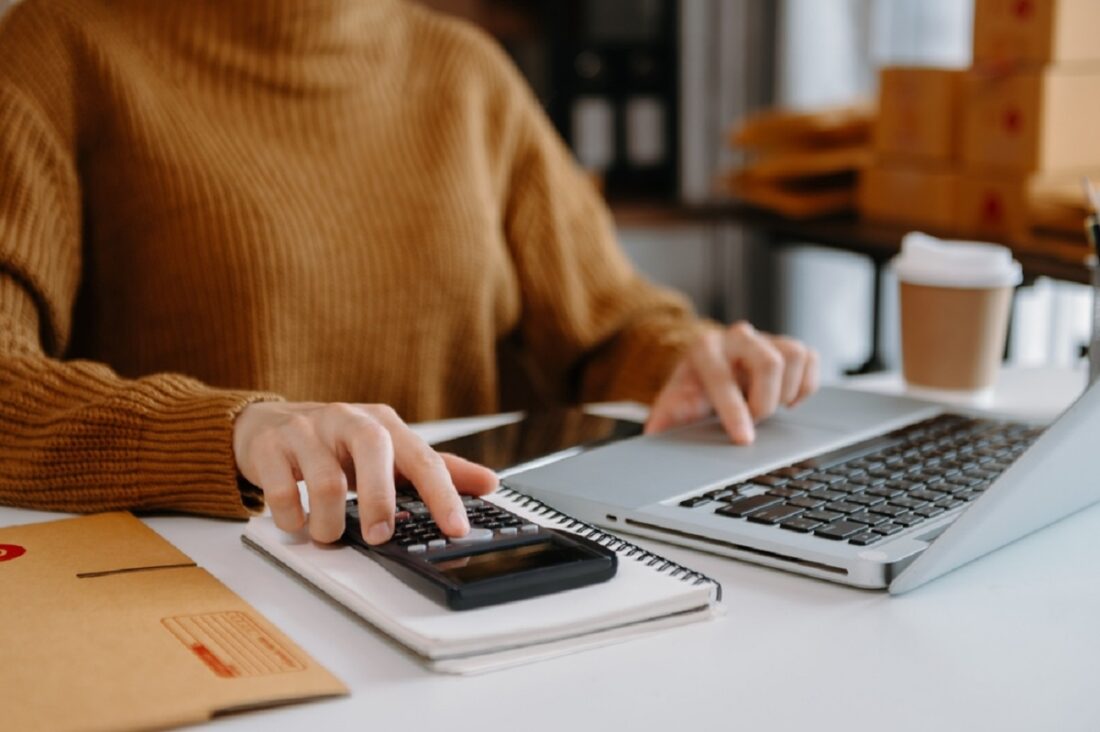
<point>610,541</point>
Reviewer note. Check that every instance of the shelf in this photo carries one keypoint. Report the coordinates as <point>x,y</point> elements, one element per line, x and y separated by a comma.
<point>877,240</point>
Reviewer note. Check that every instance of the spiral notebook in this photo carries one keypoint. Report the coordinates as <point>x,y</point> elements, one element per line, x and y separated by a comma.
<point>647,594</point>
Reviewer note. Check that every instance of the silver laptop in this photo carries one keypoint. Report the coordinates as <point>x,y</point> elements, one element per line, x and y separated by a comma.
<point>863,489</point>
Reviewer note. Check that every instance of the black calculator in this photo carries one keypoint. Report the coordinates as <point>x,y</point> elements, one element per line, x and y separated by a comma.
<point>503,558</point>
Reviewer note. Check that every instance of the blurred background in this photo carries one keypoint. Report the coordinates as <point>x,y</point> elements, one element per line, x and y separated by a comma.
<point>652,94</point>
<point>680,110</point>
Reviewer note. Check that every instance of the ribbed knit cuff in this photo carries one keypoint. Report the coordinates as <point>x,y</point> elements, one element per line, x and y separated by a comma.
<point>185,458</point>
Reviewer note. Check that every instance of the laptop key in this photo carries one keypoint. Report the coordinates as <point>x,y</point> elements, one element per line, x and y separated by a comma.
<point>888,529</point>
<point>793,472</point>
<point>805,485</point>
<point>786,492</point>
<point>825,516</point>
<point>867,480</point>
<point>866,500</point>
<point>926,495</point>
<point>889,510</point>
<point>827,495</point>
<point>772,481</point>
<point>806,502</point>
<point>908,520</point>
<point>929,511</point>
<point>826,478</point>
<point>843,507</point>
<point>867,537</point>
<point>693,502</point>
<point>801,524</point>
<point>839,530</point>
<point>870,519</point>
<point>908,502</point>
<point>885,492</point>
<point>745,506</point>
<point>774,514</point>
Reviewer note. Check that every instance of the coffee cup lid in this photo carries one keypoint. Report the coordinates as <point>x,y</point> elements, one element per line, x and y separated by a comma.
<point>926,260</point>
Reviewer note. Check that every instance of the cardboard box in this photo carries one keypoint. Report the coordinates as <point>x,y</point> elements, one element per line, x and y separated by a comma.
<point>1033,120</point>
<point>992,206</point>
<point>917,196</point>
<point>787,129</point>
<point>1035,32</point>
<point>105,625</point>
<point>919,114</point>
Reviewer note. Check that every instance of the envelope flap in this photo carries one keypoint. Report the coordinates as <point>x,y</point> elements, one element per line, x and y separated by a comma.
<point>89,545</point>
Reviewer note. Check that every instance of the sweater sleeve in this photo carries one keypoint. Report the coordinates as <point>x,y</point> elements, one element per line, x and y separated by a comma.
<point>75,436</point>
<point>589,317</point>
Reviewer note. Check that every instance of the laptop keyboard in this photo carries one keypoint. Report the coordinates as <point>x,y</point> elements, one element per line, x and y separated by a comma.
<point>866,492</point>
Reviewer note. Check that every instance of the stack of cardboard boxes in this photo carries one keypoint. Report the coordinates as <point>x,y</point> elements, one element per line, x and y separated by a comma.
<point>801,164</point>
<point>977,152</point>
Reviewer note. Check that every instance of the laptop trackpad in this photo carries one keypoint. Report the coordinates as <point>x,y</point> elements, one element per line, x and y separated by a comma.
<point>644,470</point>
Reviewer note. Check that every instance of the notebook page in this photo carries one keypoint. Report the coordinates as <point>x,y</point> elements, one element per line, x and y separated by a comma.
<point>638,592</point>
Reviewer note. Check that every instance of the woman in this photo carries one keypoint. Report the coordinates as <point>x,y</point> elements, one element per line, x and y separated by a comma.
<point>212,211</point>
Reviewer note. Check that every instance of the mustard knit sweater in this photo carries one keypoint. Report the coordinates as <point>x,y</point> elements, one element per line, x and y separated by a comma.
<point>208,202</point>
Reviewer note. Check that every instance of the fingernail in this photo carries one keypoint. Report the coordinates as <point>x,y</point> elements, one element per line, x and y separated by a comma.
<point>748,432</point>
<point>458,521</point>
<point>378,533</point>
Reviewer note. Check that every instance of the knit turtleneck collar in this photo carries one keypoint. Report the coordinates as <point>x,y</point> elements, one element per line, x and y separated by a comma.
<point>294,45</point>
<point>293,25</point>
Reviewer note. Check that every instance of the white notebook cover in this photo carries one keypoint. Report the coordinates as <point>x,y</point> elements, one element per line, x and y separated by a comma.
<point>647,593</point>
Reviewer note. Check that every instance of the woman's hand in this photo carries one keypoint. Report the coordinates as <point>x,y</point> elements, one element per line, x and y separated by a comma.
<point>741,374</point>
<point>335,448</point>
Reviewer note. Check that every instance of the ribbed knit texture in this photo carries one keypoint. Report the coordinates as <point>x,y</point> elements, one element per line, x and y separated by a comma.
<point>326,200</point>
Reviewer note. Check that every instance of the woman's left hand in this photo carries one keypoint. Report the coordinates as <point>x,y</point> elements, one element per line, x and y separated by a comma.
<point>740,373</point>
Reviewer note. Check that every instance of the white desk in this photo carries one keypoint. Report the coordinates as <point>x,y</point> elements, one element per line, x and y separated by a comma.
<point>1011,642</point>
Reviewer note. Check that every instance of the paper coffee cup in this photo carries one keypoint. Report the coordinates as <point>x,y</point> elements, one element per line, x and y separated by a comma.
<point>955,299</point>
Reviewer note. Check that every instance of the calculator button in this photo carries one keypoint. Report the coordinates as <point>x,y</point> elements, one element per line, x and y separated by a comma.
<point>507,531</point>
<point>416,548</point>
<point>416,508</point>
<point>437,543</point>
<point>529,528</point>
<point>476,535</point>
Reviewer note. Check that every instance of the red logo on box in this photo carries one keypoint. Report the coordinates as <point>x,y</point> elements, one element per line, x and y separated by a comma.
<point>993,209</point>
<point>11,551</point>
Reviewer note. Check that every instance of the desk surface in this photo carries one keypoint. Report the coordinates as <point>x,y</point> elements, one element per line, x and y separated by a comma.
<point>1011,642</point>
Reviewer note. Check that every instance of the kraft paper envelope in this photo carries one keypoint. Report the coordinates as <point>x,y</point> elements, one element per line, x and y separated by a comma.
<point>105,625</point>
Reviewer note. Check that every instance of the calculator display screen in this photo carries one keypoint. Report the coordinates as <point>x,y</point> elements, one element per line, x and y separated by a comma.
<point>503,562</point>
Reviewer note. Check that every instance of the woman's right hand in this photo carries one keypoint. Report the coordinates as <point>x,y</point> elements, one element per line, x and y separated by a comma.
<point>337,447</point>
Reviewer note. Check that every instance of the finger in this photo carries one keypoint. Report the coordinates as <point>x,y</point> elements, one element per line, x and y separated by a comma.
<point>811,376</point>
<point>470,478</point>
<point>681,401</point>
<point>422,465</point>
<point>716,375</point>
<point>762,365</point>
<point>327,486</point>
<point>794,366</point>
<point>280,489</point>
<point>370,447</point>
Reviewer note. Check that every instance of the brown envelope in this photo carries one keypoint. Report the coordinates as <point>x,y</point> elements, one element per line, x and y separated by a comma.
<point>105,625</point>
